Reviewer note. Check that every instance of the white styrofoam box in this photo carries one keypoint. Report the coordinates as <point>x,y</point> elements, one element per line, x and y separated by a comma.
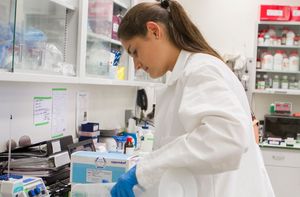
<point>96,167</point>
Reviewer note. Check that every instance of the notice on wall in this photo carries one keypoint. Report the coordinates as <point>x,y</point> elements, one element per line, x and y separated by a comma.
<point>41,110</point>
<point>59,112</point>
<point>81,108</point>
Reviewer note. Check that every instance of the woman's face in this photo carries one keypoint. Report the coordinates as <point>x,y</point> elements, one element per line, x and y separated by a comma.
<point>151,53</point>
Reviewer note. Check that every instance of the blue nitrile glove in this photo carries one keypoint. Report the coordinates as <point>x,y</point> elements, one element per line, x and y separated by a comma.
<point>124,185</point>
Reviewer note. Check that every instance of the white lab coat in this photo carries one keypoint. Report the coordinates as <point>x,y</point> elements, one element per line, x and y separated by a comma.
<point>203,124</point>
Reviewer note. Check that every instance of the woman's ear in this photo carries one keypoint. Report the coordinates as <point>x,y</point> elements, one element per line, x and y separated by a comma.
<point>154,29</point>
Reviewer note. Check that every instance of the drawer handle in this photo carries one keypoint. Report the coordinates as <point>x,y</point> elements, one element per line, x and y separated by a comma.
<point>278,158</point>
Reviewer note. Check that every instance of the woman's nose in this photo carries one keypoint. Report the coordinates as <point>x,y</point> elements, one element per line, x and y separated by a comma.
<point>137,64</point>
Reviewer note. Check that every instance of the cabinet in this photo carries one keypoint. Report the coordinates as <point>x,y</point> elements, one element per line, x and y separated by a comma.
<point>101,55</point>
<point>283,167</point>
<point>7,10</point>
<point>40,32</point>
<point>277,54</point>
<point>64,41</point>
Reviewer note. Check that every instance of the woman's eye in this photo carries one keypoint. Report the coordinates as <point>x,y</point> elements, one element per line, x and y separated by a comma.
<point>135,53</point>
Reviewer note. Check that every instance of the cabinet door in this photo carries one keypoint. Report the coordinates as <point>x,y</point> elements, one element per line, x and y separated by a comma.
<point>7,10</point>
<point>285,180</point>
<point>105,56</point>
<point>41,38</point>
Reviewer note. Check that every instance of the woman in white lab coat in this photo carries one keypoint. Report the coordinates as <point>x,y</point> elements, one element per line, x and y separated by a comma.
<point>203,120</point>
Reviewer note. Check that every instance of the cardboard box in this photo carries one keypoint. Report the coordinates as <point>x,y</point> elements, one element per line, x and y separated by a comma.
<point>275,13</point>
<point>295,13</point>
<point>95,167</point>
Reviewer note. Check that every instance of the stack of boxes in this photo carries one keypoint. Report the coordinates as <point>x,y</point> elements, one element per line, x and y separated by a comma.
<point>90,130</point>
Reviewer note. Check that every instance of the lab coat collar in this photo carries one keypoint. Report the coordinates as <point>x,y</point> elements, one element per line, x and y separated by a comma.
<point>179,66</point>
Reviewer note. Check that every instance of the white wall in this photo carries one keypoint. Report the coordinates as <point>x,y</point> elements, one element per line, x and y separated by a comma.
<point>230,27</point>
<point>107,106</point>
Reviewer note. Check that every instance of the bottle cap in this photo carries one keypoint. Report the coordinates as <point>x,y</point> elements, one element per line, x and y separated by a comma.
<point>129,139</point>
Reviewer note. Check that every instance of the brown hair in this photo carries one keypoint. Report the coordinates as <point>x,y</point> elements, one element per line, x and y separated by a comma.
<point>182,31</point>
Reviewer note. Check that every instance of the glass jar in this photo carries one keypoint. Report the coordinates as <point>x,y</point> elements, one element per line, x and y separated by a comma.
<point>268,81</point>
<point>260,83</point>
<point>276,82</point>
<point>293,83</point>
<point>284,82</point>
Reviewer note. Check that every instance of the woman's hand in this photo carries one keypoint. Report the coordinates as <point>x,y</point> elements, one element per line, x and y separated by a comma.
<point>124,185</point>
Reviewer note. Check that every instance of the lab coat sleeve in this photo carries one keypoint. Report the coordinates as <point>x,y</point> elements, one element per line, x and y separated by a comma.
<point>217,130</point>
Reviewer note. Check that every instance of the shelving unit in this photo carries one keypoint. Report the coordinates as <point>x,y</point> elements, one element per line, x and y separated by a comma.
<point>95,46</point>
<point>271,39</point>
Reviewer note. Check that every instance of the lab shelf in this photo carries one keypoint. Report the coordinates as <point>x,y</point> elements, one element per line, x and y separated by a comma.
<point>278,23</point>
<point>29,77</point>
<point>103,38</point>
<point>114,82</point>
<point>277,71</point>
<point>277,91</point>
<point>279,46</point>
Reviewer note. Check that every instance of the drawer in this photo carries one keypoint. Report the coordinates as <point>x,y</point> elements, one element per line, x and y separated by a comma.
<point>281,157</point>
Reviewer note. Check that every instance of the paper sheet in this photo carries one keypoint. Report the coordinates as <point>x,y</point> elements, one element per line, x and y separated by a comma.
<point>82,108</point>
<point>41,110</point>
<point>59,112</point>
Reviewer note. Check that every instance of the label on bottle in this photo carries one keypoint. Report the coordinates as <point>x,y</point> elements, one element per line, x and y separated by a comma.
<point>129,150</point>
<point>284,85</point>
<point>276,84</point>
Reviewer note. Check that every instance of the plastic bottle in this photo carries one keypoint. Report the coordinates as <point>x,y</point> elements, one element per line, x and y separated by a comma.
<point>260,40</point>
<point>297,40</point>
<point>267,61</point>
<point>276,83</point>
<point>285,63</point>
<point>258,64</point>
<point>132,131</point>
<point>147,140</point>
<point>267,39</point>
<point>129,147</point>
<point>268,81</point>
<point>284,82</point>
<point>271,31</point>
<point>283,36</point>
<point>272,108</point>
<point>290,35</point>
<point>278,60</point>
<point>294,61</point>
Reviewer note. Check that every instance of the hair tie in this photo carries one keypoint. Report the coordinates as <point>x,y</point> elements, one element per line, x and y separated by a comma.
<point>165,4</point>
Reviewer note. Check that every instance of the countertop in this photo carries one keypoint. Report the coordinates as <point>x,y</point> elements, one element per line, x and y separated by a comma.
<point>282,145</point>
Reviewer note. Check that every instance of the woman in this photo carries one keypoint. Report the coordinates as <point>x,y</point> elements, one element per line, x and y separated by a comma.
<point>203,119</point>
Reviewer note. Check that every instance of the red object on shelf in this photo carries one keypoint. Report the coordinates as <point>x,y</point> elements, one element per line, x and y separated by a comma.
<point>295,13</point>
<point>296,114</point>
<point>275,13</point>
